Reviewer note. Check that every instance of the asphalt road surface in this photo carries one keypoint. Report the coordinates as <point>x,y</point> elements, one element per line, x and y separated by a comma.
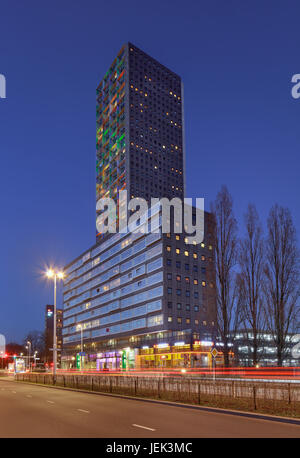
<point>36,411</point>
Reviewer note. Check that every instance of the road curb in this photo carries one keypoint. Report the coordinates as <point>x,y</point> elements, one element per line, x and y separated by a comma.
<point>255,416</point>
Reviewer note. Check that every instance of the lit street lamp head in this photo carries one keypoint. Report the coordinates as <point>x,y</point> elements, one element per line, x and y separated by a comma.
<point>51,273</point>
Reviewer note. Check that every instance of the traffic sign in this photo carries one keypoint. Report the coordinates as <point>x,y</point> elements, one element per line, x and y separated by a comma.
<point>214,352</point>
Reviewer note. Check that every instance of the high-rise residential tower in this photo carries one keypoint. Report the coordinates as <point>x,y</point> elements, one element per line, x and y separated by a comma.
<point>140,129</point>
<point>141,300</point>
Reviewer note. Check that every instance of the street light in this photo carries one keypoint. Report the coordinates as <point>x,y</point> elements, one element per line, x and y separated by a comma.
<point>54,275</point>
<point>81,342</point>
<point>35,357</point>
<point>28,346</point>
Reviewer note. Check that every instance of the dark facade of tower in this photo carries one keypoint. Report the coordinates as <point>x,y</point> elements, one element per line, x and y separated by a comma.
<point>140,129</point>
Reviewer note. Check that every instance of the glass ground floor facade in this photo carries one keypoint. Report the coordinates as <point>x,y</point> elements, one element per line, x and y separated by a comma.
<point>162,350</point>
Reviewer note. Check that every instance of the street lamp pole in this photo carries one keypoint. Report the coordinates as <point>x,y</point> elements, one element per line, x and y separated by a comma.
<point>54,275</point>
<point>81,344</point>
<point>54,333</point>
<point>29,352</point>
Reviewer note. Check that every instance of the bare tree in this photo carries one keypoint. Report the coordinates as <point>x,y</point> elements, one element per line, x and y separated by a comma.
<point>225,242</point>
<point>282,277</point>
<point>249,284</point>
<point>36,338</point>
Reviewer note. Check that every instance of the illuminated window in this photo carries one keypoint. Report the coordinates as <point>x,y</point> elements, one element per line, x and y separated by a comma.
<point>203,245</point>
<point>202,258</point>
<point>195,256</point>
<point>203,283</point>
<point>186,253</point>
<point>195,281</point>
<point>179,320</point>
<point>177,251</point>
<point>187,279</point>
<point>210,247</point>
<point>188,321</point>
<point>204,323</point>
<point>196,321</point>
<point>178,277</point>
<point>170,319</point>
<point>177,237</point>
<point>168,248</point>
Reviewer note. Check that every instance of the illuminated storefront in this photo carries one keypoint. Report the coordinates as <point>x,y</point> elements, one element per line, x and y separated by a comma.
<point>180,355</point>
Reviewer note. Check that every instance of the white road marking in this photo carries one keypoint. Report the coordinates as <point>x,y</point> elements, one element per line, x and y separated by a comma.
<point>82,410</point>
<point>144,427</point>
<point>50,402</point>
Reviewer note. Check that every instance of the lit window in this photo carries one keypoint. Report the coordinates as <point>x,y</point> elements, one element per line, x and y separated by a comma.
<point>179,319</point>
<point>202,258</point>
<point>203,245</point>
<point>168,248</point>
<point>195,281</point>
<point>170,319</point>
<point>203,283</point>
<point>178,277</point>
<point>177,237</point>
<point>196,321</point>
<point>186,253</point>
<point>177,251</point>
<point>195,256</point>
<point>188,321</point>
<point>210,247</point>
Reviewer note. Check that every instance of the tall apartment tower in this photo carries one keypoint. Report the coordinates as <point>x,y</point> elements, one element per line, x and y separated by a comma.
<point>140,129</point>
<point>140,300</point>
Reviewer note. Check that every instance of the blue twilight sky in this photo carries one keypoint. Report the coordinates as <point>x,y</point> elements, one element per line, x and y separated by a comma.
<point>236,59</point>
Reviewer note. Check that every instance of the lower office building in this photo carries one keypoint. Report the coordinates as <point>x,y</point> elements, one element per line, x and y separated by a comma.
<point>139,301</point>
<point>266,352</point>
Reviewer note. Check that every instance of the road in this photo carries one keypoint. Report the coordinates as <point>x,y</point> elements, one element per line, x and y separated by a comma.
<point>37,411</point>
